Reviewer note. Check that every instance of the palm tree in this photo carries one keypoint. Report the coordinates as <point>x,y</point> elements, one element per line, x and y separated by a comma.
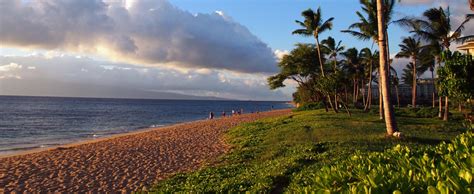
<point>396,82</point>
<point>368,28</point>
<point>390,121</point>
<point>436,28</point>
<point>313,25</point>
<point>353,67</point>
<point>332,49</point>
<point>411,48</point>
<point>369,59</point>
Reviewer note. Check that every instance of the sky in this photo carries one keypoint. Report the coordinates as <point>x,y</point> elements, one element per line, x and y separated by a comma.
<point>168,48</point>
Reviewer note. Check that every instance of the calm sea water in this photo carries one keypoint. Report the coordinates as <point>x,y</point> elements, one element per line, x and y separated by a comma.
<point>34,122</point>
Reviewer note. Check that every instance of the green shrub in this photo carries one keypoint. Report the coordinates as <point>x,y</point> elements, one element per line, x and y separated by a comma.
<point>310,106</point>
<point>424,112</point>
<point>445,168</point>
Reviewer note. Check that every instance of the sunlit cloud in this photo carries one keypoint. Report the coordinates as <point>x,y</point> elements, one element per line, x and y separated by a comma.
<point>147,33</point>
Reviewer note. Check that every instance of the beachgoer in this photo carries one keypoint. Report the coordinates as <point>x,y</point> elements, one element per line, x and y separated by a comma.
<point>211,115</point>
<point>233,112</point>
<point>242,111</point>
<point>223,113</point>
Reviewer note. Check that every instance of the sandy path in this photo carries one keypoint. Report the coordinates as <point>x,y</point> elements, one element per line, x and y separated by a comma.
<point>123,163</point>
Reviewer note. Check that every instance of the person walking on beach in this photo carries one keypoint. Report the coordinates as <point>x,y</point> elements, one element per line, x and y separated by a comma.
<point>211,115</point>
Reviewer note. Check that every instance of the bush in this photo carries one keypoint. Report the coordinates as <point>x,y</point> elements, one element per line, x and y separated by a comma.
<point>424,112</point>
<point>310,106</point>
<point>445,168</point>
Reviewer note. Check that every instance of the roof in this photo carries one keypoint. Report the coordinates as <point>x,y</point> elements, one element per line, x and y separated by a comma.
<point>466,46</point>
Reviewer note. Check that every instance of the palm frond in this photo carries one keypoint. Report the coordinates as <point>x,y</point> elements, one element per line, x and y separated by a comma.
<point>358,35</point>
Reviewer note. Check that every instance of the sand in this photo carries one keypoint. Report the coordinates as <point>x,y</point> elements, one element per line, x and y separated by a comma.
<point>121,163</point>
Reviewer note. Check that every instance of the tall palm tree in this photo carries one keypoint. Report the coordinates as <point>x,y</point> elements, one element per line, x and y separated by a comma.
<point>313,25</point>
<point>390,121</point>
<point>369,58</point>
<point>411,48</point>
<point>367,28</point>
<point>436,27</point>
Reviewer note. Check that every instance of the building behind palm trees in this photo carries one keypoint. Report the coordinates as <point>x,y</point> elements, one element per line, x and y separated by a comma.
<point>424,92</point>
<point>468,46</point>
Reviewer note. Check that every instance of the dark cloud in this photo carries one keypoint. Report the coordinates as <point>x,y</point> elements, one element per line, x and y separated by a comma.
<point>150,32</point>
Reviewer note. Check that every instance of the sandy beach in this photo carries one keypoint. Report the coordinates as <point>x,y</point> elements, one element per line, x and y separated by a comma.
<point>121,163</point>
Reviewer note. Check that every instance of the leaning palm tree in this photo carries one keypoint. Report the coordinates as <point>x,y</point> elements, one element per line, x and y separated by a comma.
<point>436,27</point>
<point>390,121</point>
<point>313,25</point>
<point>411,48</point>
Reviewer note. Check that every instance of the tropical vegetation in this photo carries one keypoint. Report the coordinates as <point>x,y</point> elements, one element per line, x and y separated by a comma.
<point>317,150</point>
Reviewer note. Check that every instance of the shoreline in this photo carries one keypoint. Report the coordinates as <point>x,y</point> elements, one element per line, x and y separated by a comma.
<point>111,136</point>
<point>95,140</point>
<point>122,162</point>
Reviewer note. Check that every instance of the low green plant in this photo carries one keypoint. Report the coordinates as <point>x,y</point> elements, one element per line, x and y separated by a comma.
<point>445,168</point>
<point>286,153</point>
<point>423,112</point>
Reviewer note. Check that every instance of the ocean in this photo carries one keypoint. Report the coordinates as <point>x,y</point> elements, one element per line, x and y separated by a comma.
<point>38,122</point>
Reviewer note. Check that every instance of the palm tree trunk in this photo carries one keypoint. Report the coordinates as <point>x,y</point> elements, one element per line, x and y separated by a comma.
<point>363,92</point>
<point>440,110</point>
<point>398,96</point>
<point>331,104</point>
<point>413,89</point>
<point>440,100</point>
<point>369,93</point>
<point>357,91</point>
<point>390,121</point>
<point>432,79</point>
<point>345,94</point>
<point>319,56</point>
<point>380,102</point>
<point>354,91</point>
<point>446,109</point>
<point>370,88</point>
<point>335,89</point>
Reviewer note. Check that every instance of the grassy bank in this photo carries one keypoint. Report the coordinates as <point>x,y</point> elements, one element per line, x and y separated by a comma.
<point>281,154</point>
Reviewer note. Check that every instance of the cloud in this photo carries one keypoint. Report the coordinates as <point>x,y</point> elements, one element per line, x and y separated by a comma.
<point>148,32</point>
<point>280,53</point>
<point>61,73</point>
<point>416,2</point>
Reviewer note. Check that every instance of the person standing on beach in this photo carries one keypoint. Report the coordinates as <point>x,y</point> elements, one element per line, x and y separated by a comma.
<point>211,115</point>
<point>223,113</point>
<point>233,112</point>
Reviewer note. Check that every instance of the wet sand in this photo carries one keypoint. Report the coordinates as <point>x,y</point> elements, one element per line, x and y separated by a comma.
<point>121,163</point>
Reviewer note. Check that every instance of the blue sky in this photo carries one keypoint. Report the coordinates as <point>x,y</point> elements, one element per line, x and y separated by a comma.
<point>273,20</point>
<point>218,48</point>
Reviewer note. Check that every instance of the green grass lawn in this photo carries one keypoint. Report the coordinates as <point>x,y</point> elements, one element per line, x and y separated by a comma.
<point>282,154</point>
